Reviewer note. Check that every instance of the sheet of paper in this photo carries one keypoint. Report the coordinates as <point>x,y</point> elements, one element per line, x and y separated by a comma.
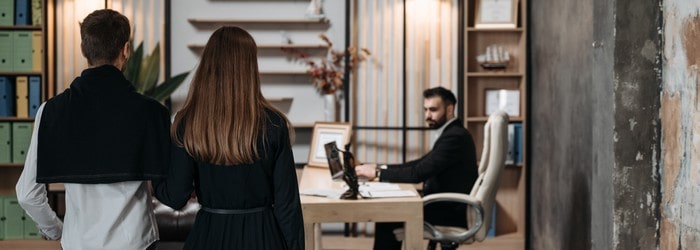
<point>387,194</point>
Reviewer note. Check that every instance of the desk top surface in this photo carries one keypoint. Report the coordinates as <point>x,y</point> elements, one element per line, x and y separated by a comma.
<point>319,177</point>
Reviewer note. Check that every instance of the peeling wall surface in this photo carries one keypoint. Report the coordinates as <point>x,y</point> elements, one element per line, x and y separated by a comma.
<point>637,85</point>
<point>594,119</point>
<point>680,119</point>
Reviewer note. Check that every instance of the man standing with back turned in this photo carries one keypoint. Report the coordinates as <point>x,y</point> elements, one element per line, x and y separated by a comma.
<point>104,141</point>
<point>449,167</point>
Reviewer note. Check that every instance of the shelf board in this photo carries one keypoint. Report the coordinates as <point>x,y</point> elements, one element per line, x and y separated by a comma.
<point>283,72</point>
<point>19,73</point>
<point>302,125</point>
<point>16,119</point>
<point>486,118</point>
<point>472,29</point>
<point>200,47</point>
<point>494,74</point>
<point>209,22</point>
<point>11,165</point>
<point>19,27</point>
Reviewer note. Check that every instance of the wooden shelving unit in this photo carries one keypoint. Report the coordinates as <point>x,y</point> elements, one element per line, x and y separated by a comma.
<point>510,212</point>
<point>10,171</point>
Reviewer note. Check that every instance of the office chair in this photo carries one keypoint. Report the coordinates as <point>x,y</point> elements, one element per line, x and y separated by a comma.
<point>482,196</point>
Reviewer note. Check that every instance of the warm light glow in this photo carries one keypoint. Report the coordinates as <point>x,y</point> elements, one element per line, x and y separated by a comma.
<point>85,7</point>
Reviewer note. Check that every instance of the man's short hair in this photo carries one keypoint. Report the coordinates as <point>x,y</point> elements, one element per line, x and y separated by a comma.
<point>443,93</point>
<point>103,34</point>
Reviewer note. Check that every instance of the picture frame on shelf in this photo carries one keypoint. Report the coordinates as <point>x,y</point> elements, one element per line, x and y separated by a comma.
<point>325,132</point>
<point>496,14</point>
<point>507,100</point>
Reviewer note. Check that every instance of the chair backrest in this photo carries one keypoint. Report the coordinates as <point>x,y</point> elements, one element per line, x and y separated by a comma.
<point>493,158</point>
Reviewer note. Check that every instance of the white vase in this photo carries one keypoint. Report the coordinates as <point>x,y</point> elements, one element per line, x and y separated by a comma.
<point>315,10</point>
<point>330,107</point>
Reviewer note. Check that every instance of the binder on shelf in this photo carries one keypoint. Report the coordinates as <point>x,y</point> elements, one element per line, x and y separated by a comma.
<point>2,217</point>
<point>5,143</point>
<point>492,228</point>
<point>22,12</point>
<point>518,142</point>
<point>34,95</point>
<point>6,51</point>
<point>37,13</point>
<point>37,51</point>
<point>510,157</point>
<point>14,226</point>
<point>22,41</point>
<point>7,12</point>
<point>30,229</point>
<point>7,97</point>
<point>21,136</point>
<point>22,96</point>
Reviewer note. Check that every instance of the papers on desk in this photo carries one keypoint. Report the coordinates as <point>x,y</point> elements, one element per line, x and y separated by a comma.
<point>367,190</point>
<point>323,192</point>
<point>383,190</point>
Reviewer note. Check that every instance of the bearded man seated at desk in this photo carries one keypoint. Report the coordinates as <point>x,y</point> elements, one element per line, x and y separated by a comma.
<point>449,167</point>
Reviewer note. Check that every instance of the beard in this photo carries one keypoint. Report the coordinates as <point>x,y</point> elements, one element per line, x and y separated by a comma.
<point>436,123</point>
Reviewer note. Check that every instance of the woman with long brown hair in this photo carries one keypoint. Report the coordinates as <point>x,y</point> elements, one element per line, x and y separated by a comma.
<point>232,147</point>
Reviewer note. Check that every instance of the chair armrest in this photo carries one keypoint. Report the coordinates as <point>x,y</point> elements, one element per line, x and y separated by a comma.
<point>455,197</point>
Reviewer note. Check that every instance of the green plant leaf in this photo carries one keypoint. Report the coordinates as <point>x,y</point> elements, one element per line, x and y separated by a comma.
<point>165,89</point>
<point>150,68</point>
<point>133,65</point>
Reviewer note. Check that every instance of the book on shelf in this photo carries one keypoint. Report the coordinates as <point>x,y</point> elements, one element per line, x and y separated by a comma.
<point>515,144</point>
<point>21,96</point>
<point>7,97</point>
<point>34,95</point>
<point>21,137</point>
<point>7,12</point>
<point>5,143</point>
<point>6,47</point>
<point>22,12</point>
<point>22,51</point>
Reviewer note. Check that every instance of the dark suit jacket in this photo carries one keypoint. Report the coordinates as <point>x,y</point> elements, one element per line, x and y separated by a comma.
<point>449,167</point>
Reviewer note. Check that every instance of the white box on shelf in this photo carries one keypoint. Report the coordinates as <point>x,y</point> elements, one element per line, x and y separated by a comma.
<point>507,100</point>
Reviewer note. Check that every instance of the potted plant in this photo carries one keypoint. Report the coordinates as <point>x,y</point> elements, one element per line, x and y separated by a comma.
<point>143,73</point>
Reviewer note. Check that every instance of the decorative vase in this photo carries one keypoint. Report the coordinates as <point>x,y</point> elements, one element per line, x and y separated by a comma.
<point>314,9</point>
<point>330,107</point>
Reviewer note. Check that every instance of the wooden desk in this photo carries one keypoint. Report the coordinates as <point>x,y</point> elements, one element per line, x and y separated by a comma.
<point>320,209</point>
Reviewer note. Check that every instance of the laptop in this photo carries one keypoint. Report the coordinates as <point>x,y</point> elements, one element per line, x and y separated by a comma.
<point>335,162</point>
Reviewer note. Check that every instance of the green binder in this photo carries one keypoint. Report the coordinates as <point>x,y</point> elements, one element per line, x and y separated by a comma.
<point>21,136</point>
<point>14,225</point>
<point>22,58</point>
<point>30,229</point>
<point>5,143</point>
<point>6,54</point>
<point>2,217</point>
<point>7,12</point>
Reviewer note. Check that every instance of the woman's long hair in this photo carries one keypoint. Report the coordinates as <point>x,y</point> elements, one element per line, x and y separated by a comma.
<point>224,113</point>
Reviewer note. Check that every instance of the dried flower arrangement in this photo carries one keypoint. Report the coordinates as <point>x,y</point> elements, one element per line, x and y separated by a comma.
<point>327,74</point>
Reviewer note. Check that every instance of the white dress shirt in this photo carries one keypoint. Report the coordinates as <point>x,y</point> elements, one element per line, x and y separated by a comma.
<point>438,132</point>
<point>98,216</point>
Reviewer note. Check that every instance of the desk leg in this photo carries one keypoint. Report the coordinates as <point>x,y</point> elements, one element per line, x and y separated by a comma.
<point>414,233</point>
<point>309,234</point>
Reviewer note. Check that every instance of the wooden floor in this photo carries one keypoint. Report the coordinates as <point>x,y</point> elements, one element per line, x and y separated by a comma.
<point>505,242</point>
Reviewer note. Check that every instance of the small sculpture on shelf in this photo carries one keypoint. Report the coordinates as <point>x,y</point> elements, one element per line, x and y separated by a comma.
<point>495,58</point>
<point>315,10</point>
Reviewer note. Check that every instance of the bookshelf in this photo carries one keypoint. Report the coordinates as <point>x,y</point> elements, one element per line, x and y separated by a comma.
<point>477,79</point>
<point>26,65</point>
